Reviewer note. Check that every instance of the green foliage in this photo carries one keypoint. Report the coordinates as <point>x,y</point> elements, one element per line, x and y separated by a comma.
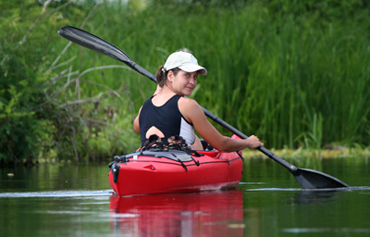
<point>29,118</point>
<point>21,123</point>
<point>295,73</point>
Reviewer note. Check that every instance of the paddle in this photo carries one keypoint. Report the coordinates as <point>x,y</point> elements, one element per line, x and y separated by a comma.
<point>307,178</point>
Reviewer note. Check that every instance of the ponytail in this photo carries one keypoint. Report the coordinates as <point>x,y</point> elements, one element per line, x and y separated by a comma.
<point>161,76</point>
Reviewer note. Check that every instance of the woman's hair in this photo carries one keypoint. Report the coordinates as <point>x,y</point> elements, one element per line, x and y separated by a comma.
<point>161,75</point>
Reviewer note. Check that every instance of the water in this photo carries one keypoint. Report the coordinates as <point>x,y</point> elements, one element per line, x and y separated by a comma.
<point>77,201</point>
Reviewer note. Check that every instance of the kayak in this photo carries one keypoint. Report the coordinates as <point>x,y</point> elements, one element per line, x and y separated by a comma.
<point>172,171</point>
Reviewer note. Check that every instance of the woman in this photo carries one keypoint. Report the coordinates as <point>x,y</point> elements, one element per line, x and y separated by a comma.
<point>168,112</point>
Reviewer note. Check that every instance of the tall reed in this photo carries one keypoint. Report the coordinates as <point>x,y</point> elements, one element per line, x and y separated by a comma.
<point>292,77</point>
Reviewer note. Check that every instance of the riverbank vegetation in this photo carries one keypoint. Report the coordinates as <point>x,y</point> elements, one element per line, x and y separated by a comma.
<point>295,73</point>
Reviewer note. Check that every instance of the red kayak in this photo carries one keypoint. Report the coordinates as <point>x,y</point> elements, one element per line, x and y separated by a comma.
<point>167,171</point>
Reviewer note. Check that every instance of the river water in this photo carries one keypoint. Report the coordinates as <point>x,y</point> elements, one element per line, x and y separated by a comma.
<point>68,200</point>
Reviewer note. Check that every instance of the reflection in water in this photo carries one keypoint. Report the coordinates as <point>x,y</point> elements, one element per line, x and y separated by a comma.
<point>51,194</point>
<point>180,214</point>
<point>307,197</point>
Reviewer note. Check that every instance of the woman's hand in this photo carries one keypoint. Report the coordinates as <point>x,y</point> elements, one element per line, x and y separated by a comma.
<point>254,142</point>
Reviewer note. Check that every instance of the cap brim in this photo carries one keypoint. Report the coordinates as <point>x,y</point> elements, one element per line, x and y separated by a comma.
<point>194,68</point>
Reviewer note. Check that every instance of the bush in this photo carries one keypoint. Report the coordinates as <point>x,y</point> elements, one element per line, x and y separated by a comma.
<point>29,118</point>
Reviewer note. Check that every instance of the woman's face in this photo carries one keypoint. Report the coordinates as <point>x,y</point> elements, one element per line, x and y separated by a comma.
<point>184,82</point>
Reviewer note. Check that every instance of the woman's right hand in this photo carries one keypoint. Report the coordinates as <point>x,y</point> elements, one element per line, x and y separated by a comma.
<point>254,142</point>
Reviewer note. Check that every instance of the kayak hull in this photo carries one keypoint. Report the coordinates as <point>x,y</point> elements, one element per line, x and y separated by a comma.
<point>157,173</point>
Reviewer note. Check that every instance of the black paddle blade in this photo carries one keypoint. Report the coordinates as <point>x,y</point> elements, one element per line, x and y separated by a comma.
<point>93,42</point>
<point>312,179</point>
<point>99,45</point>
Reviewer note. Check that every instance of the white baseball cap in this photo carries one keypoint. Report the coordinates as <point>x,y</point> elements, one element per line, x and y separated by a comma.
<point>185,61</point>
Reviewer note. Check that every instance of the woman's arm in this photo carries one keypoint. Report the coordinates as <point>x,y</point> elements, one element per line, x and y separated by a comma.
<point>136,122</point>
<point>192,112</point>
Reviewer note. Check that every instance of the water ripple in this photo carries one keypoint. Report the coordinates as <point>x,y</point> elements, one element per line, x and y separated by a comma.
<point>313,190</point>
<point>326,230</point>
<point>75,193</point>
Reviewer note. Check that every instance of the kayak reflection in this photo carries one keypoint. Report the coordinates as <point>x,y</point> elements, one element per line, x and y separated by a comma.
<point>179,214</point>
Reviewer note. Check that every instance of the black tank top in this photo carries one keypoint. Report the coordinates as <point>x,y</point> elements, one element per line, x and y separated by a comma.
<point>167,118</point>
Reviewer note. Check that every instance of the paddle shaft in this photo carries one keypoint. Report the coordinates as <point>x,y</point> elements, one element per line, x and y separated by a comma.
<point>262,149</point>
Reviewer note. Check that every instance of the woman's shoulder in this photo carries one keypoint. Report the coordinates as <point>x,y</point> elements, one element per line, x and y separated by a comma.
<point>188,105</point>
<point>187,101</point>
